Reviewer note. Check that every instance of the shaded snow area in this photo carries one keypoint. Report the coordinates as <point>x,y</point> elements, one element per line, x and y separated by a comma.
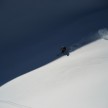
<point>76,81</point>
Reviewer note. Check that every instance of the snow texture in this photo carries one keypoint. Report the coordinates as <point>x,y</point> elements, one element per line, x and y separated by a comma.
<point>77,81</point>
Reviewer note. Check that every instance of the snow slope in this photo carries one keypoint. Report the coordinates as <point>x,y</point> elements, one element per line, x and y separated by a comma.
<point>77,81</point>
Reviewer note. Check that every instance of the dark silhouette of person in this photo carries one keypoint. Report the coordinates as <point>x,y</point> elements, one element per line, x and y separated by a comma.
<point>64,51</point>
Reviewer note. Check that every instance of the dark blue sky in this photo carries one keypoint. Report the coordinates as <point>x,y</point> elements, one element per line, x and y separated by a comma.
<point>31,31</point>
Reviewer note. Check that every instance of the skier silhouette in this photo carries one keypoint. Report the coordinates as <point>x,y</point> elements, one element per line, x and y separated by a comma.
<point>64,51</point>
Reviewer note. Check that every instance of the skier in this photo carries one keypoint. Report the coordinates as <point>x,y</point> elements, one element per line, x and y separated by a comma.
<point>64,51</point>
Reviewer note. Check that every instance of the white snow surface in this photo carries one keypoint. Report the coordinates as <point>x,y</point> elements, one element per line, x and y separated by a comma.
<point>76,81</point>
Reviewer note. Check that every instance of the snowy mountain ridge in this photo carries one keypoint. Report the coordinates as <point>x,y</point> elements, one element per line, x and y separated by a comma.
<point>79,80</point>
<point>101,34</point>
